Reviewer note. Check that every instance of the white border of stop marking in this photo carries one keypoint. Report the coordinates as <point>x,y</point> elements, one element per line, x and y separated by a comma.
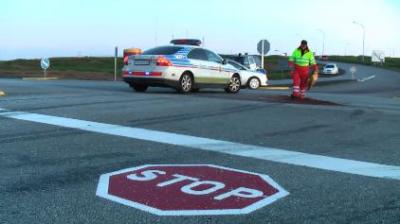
<point>102,191</point>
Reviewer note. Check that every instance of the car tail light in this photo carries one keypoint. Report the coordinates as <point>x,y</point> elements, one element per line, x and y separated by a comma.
<point>125,60</point>
<point>163,61</point>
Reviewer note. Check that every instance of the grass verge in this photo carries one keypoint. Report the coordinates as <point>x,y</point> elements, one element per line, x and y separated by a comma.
<point>92,68</point>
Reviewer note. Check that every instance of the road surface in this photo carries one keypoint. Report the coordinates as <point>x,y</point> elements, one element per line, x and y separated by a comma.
<point>50,172</point>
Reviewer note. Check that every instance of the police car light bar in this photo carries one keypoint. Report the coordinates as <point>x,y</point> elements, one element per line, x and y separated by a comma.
<point>194,42</point>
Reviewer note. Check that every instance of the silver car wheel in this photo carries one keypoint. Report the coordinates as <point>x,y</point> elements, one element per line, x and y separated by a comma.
<point>254,83</point>
<point>186,83</point>
<point>234,85</point>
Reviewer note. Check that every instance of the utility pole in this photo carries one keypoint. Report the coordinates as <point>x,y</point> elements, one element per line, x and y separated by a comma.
<point>363,28</point>
<point>323,41</point>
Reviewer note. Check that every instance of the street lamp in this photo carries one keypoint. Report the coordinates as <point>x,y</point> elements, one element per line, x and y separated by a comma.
<point>363,28</point>
<point>323,41</point>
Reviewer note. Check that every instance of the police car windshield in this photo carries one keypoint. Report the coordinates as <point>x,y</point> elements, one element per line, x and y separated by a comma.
<point>329,66</point>
<point>168,50</point>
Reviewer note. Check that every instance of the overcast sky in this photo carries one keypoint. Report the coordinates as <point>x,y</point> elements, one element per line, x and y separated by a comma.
<point>38,28</point>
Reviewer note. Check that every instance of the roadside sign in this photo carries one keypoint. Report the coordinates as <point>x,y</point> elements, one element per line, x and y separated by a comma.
<point>45,63</point>
<point>353,71</point>
<point>177,190</point>
<point>378,57</point>
<point>263,48</point>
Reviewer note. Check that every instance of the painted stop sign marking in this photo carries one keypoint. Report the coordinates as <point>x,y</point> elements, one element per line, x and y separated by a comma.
<point>189,189</point>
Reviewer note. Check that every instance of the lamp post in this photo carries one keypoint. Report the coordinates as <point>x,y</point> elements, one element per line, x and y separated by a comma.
<point>323,41</point>
<point>363,28</point>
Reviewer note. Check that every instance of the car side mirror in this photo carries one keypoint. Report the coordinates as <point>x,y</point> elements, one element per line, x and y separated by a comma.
<point>224,62</point>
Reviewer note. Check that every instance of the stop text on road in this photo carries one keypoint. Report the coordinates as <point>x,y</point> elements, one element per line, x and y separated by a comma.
<point>177,190</point>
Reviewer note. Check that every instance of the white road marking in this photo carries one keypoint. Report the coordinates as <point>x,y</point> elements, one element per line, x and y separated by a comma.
<point>226,147</point>
<point>367,78</point>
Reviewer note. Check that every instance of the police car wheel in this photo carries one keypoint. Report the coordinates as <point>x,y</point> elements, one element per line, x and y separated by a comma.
<point>234,85</point>
<point>185,83</point>
<point>254,83</point>
<point>139,87</point>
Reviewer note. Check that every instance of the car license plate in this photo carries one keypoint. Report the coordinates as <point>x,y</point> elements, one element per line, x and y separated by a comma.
<point>142,62</point>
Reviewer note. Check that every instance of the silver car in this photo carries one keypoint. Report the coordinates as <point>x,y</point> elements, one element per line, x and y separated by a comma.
<point>184,66</point>
<point>330,69</point>
<point>249,78</point>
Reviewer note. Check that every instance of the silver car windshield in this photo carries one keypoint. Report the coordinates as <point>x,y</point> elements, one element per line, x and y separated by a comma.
<point>237,65</point>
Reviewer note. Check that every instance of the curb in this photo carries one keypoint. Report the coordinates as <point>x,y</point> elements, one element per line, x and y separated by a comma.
<point>39,78</point>
<point>333,82</point>
<point>274,88</point>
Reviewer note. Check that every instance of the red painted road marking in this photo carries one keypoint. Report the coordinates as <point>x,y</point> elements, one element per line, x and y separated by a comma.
<point>190,189</point>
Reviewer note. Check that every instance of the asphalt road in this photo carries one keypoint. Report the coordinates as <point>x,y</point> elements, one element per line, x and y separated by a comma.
<point>49,173</point>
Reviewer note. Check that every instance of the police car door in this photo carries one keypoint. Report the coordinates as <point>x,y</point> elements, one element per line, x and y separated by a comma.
<point>219,75</point>
<point>198,58</point>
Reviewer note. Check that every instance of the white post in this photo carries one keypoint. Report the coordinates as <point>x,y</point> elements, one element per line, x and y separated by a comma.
<point>262,54</point>
<point>363,43</point>
<point>115,63</point>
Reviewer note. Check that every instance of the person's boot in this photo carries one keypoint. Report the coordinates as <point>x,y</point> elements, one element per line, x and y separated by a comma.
<point>294,96</point>
<point>302,94</point>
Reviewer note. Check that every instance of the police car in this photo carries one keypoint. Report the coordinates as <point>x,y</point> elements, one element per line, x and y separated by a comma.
<point>184,65</point>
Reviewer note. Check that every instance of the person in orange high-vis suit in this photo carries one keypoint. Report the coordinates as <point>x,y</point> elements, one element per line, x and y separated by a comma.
<point>300,62</point>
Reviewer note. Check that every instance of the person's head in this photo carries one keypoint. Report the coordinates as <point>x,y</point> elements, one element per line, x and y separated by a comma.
<point>303,44</point>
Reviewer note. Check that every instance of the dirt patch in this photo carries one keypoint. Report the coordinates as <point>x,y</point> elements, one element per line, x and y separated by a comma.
<point>288,99</point>
<point>268,98</point>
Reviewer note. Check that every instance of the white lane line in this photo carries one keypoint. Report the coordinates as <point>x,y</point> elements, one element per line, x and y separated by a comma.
<point>232,148</point>
<point>367,78</point>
